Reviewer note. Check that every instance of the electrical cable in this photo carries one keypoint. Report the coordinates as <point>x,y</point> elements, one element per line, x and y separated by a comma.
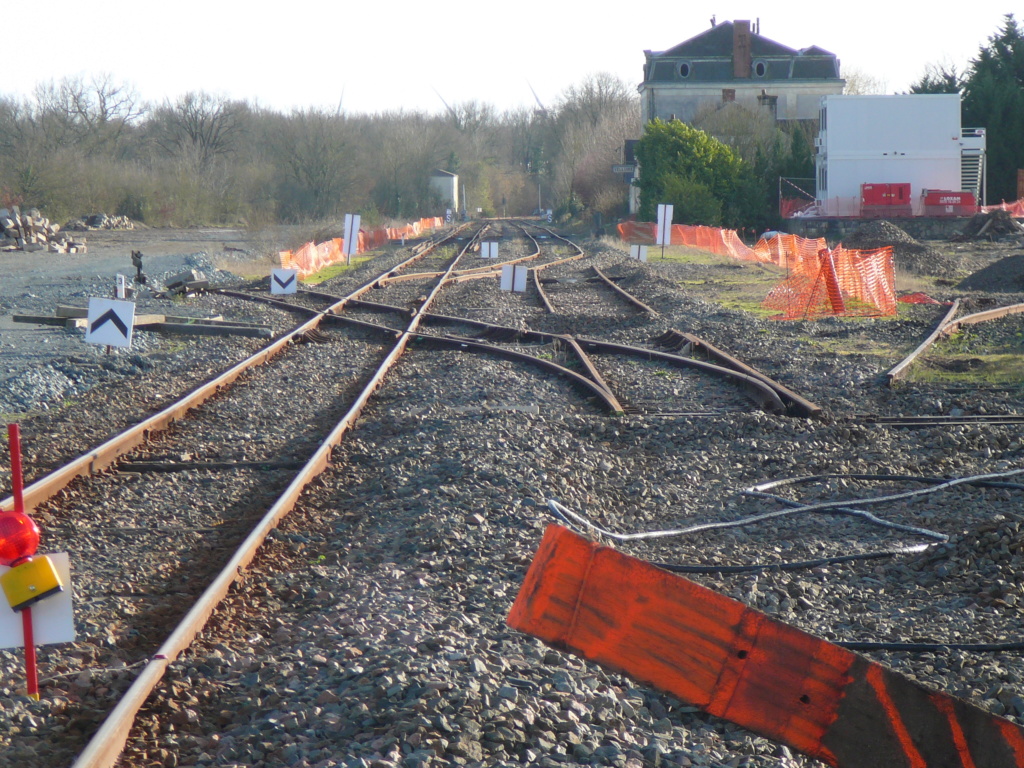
<point>797,565</point>
<point>796,505</point>
<point>902,495</point>
<point>858,476</point>
<point>854,645</point>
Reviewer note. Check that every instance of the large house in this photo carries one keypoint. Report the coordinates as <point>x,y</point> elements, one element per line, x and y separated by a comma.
<point>730,62</point>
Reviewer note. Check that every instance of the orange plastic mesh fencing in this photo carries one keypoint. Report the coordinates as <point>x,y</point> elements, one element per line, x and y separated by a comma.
<point>312,257</point>
<point>845,282</point>
<point>1015,209</point>
<point>837,282</point>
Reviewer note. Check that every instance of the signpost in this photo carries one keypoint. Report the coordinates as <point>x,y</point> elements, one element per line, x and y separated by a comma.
<point>351,244</point>
<point>638,252</point>
<point>27,579</point>
<point>663,236</point>
<point>110,322</point>
<point>284,281</point>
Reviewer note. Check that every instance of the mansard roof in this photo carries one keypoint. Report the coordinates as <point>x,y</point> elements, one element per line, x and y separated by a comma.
<point>711,55</point>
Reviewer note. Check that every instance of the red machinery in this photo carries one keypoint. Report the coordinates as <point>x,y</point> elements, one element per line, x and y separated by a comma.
<point>941,202</point>
<point>885,201</point>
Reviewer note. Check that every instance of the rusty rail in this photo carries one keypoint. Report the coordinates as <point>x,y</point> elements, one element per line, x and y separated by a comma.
<point>106,745</point>
<point>624,293</point>
<point>903,368</point>
<point>795,404</point>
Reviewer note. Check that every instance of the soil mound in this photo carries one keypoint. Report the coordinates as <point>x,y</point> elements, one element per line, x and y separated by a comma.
<point>994,225</point>
<point>908,254</point>
<point>1003,276</point>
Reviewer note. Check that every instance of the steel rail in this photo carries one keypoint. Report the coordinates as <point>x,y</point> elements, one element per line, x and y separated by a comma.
<point>597,388</point>
<point>979,317</point>
<point>465,274</point>
<point>545,302</point>
<point>766,392</point>
<point>901,369</point>
<point>105,747</point>
<point>795,404</point>
<point>764,395</point>
<point>624,293</point>
<point>104,455</point>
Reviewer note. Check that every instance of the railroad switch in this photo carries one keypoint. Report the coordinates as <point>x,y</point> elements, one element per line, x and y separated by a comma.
<point>29,582</point>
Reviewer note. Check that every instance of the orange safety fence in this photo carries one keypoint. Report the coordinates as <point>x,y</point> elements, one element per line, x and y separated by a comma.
<point>1015,209</point>
<point>821,282</point>
<point>312,257</point>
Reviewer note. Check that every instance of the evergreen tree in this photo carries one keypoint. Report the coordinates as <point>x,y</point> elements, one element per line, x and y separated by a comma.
<point>994,100</point>
<point>702,177</point>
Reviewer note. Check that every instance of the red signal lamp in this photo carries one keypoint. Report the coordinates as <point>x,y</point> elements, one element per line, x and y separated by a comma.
<point>19,537</point>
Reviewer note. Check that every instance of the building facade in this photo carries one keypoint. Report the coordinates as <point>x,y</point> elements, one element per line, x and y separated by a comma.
<point>730,62</point>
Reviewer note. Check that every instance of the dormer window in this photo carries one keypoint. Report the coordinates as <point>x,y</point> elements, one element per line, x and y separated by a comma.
<point>684,69</point>
<point>760,68</point>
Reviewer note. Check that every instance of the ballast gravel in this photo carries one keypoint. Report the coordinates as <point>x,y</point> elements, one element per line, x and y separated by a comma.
<point>370,631</point>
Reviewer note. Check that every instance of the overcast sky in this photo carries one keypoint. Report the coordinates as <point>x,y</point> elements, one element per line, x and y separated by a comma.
<point>382,55</point>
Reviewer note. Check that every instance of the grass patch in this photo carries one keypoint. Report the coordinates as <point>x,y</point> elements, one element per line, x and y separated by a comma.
<point>971,369</point>
<point>334,270</point>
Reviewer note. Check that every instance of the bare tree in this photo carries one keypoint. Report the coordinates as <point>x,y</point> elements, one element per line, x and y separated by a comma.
<point>92,117</point>
<point>199,127</point>
<point>860,83</point>
<point>316,151</point>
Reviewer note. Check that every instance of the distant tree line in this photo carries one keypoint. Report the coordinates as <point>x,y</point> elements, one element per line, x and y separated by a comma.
<point>84,146</point>
<point>992,88</point>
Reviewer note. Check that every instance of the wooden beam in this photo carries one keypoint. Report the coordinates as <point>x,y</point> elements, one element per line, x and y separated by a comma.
<point>743,666</point>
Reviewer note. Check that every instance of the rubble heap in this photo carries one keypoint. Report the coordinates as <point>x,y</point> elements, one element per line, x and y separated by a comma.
<point>96,221</point>
<point>32,231</point>
<point>907,253</point>
<point>990,226</point>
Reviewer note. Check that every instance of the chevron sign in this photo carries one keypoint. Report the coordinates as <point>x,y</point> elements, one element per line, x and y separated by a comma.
<point>284,281</point>
<point>110,322</point>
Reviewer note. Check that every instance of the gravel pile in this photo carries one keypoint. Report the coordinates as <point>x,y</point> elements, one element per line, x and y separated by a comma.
<point>908,254</point>
<point>370,632</point>
<point>1004,276</point>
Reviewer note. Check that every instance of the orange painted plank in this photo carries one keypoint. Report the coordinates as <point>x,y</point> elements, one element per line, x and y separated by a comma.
<point>742,665</point>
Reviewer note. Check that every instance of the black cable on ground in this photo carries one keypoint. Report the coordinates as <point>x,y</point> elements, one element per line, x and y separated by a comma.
<point>797,565</point>
<point>854,645</point>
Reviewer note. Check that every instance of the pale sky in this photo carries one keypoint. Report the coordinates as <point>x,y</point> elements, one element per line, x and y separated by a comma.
<point>383,55</point>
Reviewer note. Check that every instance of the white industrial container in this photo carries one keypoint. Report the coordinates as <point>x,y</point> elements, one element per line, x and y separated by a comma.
<point>915,139</point>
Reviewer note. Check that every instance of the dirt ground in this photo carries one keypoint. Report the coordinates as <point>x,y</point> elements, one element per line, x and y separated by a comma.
<point>244,252</point>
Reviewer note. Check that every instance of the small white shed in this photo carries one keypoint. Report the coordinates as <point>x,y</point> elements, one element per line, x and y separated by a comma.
<point>445,185</point>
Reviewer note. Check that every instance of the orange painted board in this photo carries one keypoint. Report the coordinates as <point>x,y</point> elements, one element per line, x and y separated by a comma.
<point>742,665</point>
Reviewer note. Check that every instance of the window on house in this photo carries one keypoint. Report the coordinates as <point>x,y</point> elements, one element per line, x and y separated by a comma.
<point>771,103</point>
<point>684,69</point>
<point>760,68</point>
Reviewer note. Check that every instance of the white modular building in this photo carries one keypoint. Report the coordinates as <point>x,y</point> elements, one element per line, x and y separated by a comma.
<point>871,143</point>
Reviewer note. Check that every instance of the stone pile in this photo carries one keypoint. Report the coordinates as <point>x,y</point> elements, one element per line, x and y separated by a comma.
<point>31,231</point>
<point>96,221</point>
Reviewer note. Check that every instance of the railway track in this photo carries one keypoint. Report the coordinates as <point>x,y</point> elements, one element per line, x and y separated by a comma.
<point>428,494</point>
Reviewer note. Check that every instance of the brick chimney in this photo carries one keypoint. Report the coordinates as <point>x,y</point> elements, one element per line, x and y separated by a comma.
<point>741,55</point>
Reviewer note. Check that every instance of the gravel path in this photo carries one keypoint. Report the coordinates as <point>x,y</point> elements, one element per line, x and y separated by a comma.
<point>371,630</point>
